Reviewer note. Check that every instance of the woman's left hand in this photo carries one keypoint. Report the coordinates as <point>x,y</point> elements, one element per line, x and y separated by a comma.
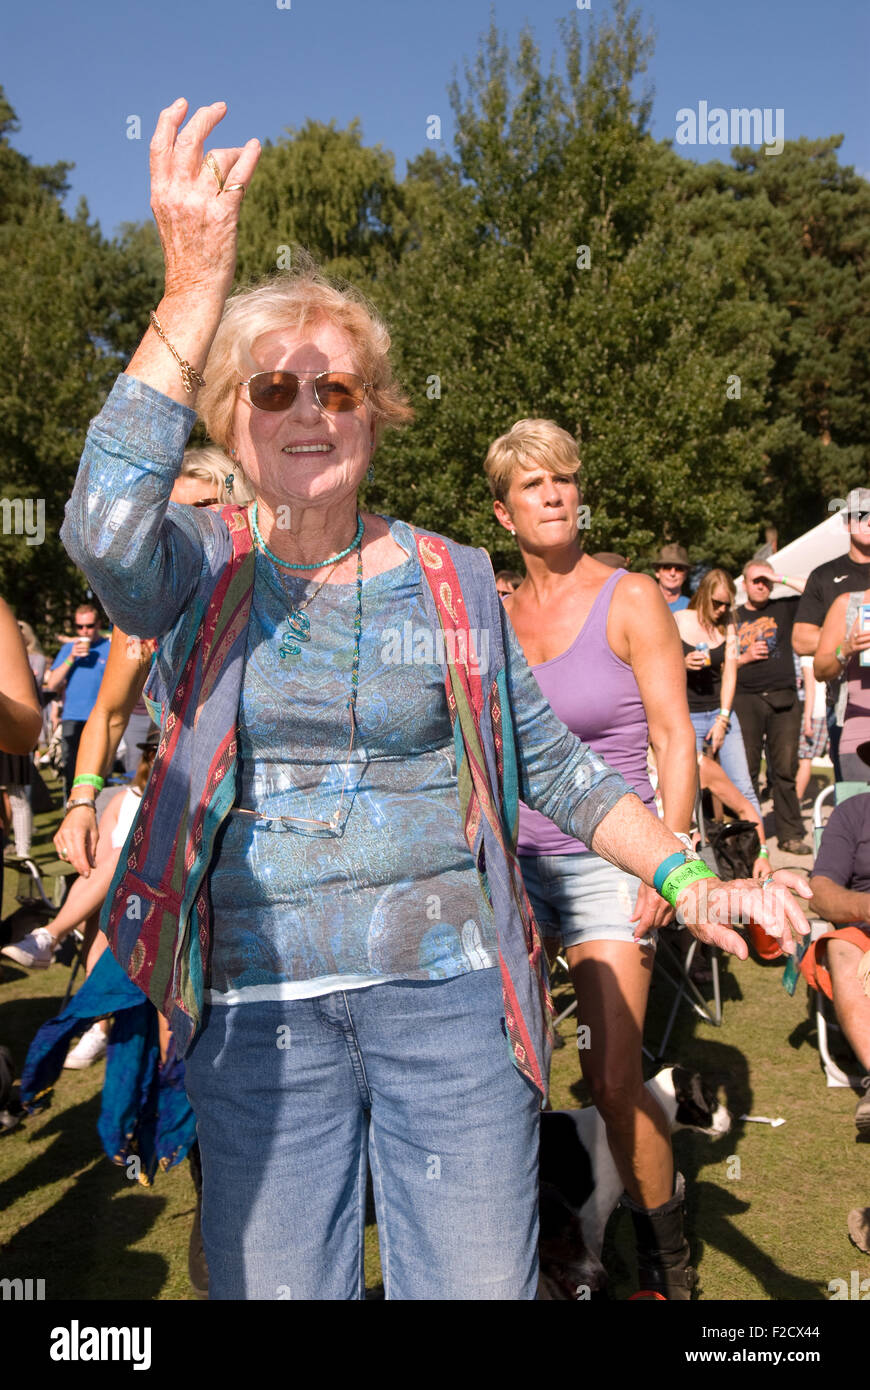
<point>650,911</point>
<point>707,905</point>
<point>717,735</point>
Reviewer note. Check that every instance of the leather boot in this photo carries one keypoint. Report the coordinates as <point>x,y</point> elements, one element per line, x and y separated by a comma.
<point>197,1268</point>
<point>663,1266</point>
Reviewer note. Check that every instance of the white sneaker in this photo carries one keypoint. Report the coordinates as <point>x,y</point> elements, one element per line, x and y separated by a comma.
<point>34,951</point>
<point>89,1048</point>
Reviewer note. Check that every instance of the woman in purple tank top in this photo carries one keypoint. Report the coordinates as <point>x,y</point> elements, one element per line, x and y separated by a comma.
<point>607,655</point>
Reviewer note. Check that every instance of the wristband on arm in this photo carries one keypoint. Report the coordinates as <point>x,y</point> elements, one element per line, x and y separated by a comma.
<point>89,779</point>
<point>681,876</point>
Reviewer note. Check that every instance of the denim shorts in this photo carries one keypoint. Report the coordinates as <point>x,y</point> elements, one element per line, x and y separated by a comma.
<point>580,897</point>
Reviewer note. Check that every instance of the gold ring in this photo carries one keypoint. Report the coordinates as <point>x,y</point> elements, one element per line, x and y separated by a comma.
<point>211,163</point>
<point>234,188</point>
<point>63,854</point>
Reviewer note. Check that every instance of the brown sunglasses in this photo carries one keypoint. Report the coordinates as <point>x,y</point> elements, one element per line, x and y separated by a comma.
<point>335,392</point>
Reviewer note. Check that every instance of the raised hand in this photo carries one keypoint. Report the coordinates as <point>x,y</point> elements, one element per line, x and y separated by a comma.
<point>196,203</point>
<point>196,197</point>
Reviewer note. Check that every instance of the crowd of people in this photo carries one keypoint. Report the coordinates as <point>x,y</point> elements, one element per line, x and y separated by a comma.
<point>331,891</point>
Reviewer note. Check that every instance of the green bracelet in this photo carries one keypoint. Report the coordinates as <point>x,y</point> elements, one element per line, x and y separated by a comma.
<point>89,779</point>
<point>682,876</point>
<point>764,853</point>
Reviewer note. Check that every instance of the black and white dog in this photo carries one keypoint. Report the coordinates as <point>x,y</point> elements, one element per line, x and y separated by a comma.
<point>580,1185</point>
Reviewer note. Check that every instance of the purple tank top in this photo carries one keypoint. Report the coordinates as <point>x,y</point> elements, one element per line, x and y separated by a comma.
<point>596,695</point>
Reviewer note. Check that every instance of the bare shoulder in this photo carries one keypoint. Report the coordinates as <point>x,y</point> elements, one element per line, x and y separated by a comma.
<point>635,590</point>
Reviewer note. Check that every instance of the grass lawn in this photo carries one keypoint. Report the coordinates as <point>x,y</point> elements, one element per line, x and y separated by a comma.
<point>767,1207</point>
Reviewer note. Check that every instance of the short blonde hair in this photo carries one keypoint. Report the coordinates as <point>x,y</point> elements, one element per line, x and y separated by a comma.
<point>530,444</point>
<point>296,300</point>
<point>212,465</point>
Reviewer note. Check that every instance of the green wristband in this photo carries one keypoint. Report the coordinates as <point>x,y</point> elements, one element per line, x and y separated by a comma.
<point>764,853</point>
<point>682,876</point>
<point>89,779</point>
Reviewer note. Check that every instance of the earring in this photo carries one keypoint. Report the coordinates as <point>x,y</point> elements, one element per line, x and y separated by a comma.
<point>512,530</point>
<point>370,473</point>
<point>228,483</point>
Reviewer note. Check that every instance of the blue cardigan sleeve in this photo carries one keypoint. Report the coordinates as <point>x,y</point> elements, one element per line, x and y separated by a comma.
<point>142,554</point>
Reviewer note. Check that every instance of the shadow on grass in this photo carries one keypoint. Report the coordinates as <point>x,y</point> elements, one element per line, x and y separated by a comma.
<point>81,1244</point>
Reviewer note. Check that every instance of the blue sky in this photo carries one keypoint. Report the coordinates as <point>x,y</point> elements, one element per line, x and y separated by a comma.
<point>75,73</point>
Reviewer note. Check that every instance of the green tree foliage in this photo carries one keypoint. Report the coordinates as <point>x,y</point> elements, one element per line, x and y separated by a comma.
<point>807,220</point>
<point>495,307</point>
<point>54,372</point>
<point>324,189</point>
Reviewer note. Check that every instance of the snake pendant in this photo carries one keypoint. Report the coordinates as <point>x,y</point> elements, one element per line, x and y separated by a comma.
<point>298,630</point>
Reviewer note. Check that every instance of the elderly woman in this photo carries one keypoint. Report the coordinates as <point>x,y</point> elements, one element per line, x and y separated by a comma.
<point>320,890</point>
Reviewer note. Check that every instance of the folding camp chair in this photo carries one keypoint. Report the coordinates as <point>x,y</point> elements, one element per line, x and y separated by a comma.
<point>826,1019</point>
<point>676,968</point>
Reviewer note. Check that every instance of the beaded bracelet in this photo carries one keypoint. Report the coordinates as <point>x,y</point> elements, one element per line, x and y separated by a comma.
<point>89,779</point>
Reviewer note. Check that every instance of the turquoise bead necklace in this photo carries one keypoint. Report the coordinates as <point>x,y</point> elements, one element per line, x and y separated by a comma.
<point>318,564</point>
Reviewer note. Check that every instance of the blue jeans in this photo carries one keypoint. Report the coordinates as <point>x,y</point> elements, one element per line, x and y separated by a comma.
<point>294,1098</point>
<point>732,754</point>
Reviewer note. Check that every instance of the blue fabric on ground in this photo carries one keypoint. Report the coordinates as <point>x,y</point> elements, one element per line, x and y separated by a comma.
<point>145,1110</point>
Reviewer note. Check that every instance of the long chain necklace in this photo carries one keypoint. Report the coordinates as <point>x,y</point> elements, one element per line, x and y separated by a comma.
<point>299,626</point>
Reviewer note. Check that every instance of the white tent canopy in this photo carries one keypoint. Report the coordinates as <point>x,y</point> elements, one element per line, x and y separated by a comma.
<point>798,558</point>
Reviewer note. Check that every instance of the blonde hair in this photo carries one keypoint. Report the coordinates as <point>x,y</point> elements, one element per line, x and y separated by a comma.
<point>530,444</point>
<point>295,301</point>
<point>212,465</point>
<point>701,600</point>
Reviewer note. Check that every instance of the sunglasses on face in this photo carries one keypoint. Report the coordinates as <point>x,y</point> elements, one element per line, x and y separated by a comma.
<point>82,626</point>
<point>761,579</point>
<point>678,569</point>
<point>719,602</point>
<point>334,392</point>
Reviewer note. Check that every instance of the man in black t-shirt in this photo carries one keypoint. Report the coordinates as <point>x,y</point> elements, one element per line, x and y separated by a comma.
<point>766,702</point>
<point>846,573</point>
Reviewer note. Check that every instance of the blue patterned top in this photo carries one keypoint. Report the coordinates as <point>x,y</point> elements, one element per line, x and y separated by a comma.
<point>395,895</point>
